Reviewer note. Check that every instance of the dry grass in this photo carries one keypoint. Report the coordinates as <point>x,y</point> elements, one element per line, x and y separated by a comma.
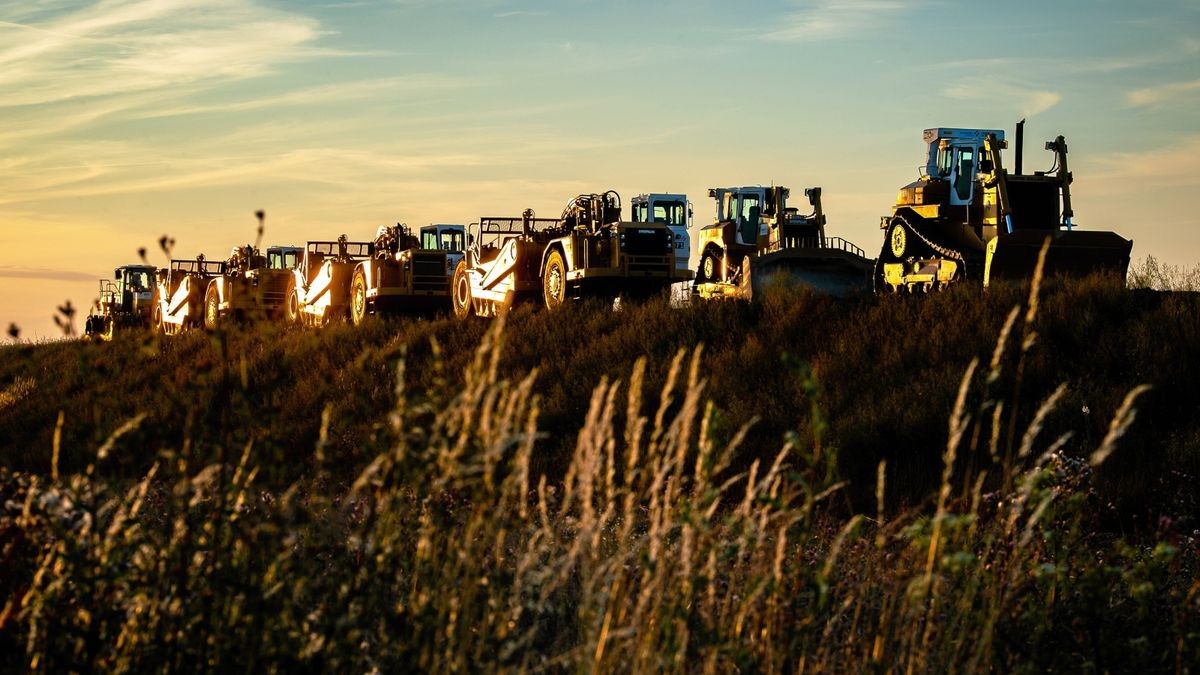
<point>483,517</point>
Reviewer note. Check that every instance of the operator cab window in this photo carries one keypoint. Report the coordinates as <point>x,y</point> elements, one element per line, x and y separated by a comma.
<point>966,172</point>
<point>452,240</point>
<point>429,240</point>
<point>945,161</point>
<point>750,209</point>
<point>670,213</point>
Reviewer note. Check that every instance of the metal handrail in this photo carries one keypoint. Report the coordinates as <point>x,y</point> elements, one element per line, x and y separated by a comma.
<point>815,242</point>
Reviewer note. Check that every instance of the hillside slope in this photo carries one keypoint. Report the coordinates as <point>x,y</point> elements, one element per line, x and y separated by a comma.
<point>882,373</point>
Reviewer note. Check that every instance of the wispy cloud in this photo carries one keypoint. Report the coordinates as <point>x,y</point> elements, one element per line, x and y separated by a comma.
<point>18,272</point>
<point>518,13</point>
<point>338,93</point>
<point>125,46</point>
<point>1162,94</point>
<point>830,19</point>
<point>1168,167</point>
<point>1024,99</point>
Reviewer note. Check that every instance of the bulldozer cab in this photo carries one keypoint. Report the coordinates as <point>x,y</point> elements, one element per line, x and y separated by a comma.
<point>954,156</point>
<point>744,207</point>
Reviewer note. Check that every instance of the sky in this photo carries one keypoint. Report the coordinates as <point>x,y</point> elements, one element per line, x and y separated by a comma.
<point>125,120</point>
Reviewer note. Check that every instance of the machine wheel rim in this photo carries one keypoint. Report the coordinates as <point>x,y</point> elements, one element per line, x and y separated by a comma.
<point>210,313</point>
<point>360,301</point>
<point>554,278</point>
<point>462,292</point>
<point>710,267</point>
<point>898,240</point>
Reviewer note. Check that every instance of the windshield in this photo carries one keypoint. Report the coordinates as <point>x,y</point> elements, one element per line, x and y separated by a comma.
<point>137,279</point>
<point>282,260</point>
<point>449,239</point>
<point>670,213</point>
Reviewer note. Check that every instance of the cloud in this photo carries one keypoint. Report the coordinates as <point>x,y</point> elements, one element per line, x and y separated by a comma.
<point>1028,101</point>
<point>1169,167</point>
<point>830,19</point>
<point>519,13</point>
<point>338,92</point>
<point>118,47</point>
<point>12,271</point>
<point>1155,96</point>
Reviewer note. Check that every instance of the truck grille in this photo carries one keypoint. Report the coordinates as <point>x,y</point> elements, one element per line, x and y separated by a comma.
<point>429,273</point>
<point>650,265</point>
<point>273,287</point>
<point>641,241</point>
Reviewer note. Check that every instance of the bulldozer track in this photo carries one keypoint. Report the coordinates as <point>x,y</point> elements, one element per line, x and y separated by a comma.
<point>950,253</point>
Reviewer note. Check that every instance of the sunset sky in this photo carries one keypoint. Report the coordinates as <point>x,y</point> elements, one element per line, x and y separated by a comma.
<point>124,120</point>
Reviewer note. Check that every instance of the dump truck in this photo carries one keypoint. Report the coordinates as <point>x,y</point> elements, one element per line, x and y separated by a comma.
<point>967,218</point>
<point>180,293</point>
<point>252,285</point>
<point>405,273</point>
<point>125,302</point>
<point>319,291</point>
<point>675,211</point>
<point>757,240</point>
<point>586,252</point>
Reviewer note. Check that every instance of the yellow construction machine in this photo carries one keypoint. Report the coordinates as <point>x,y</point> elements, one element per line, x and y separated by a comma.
<point>586,252</point>
<point>967,218</point>
<point>758,240</point>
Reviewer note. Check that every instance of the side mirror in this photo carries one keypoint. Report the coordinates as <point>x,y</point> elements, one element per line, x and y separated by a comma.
<point>117,274</point>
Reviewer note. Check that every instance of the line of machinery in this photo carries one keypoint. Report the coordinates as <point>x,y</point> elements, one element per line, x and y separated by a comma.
<point>965,219</point>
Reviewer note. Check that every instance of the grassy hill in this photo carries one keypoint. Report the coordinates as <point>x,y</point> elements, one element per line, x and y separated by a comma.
<point>604,488</point>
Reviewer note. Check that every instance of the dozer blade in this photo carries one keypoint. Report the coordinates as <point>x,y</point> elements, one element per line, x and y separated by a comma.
<point>1074,253</point>
<point>827,270</point>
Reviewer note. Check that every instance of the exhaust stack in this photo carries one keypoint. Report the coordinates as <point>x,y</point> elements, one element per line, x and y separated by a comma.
<point>1020,146</point>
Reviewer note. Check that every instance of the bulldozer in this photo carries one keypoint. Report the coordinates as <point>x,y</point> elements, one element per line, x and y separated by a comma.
<point>251,285</point>
<point>403,273</point>
<point>125,302</point>
<point>586,252</point>
<point>967,219</point>
<point>319,291</point>
<point>758,240</point>
<point>180,293</point>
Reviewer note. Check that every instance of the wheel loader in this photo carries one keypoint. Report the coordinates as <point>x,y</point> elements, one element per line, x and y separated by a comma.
<point>586,252</point>
<point>403,274</point>
<point>758,240</point>
<point>180,293</point>
<point>252,285</point>
<point>126,303</point>
<point>319,292</point>
<point>967,219</point>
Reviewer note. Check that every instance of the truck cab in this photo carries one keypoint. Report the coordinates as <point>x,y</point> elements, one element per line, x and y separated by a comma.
<point>672,210</point>
<point>283,257</point>
<point>449,238</point>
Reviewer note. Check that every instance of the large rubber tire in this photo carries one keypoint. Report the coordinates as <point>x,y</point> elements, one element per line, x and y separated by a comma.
<point>710,267</point>
<point>358,298</point>
<point>291,307</point>
<point>554,281</point>
<point>461,290</point>
<point>212,308</point>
